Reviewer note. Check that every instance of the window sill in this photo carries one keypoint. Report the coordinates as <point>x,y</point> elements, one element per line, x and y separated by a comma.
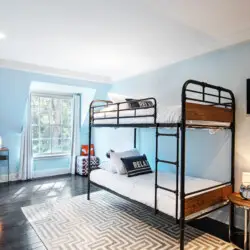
<point>44,157</point>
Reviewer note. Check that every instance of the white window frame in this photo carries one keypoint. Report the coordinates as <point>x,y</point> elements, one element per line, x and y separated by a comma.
<point>59,96</point>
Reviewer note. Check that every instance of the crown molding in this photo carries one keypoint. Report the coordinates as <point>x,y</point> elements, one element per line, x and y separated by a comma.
<point>28,67</point>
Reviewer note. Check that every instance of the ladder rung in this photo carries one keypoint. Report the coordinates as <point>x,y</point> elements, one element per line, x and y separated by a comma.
<point>168,162</point>
<point>161,134</point>
<point>167,189</point>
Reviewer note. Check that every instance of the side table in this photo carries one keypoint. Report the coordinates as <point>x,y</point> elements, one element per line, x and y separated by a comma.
<point>237,200</point>
<point>5,157</point>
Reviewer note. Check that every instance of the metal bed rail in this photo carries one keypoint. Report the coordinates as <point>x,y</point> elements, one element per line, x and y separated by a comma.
<point>204,213</point>
<point>95,109</point>
<point>208,189</point>
<point>219,94</point>
<point>222,97</point>
<point>174,163</point>
<point>204,94</point>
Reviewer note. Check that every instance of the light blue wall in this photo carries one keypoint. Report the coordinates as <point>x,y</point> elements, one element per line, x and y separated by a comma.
<point>207,155</point>
<point>14,89</point>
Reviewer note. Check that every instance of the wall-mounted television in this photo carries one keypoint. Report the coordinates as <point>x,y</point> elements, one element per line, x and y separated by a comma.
<point>248,96</point>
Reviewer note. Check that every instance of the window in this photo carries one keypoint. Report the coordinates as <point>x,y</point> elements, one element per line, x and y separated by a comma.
<point>51,123</point>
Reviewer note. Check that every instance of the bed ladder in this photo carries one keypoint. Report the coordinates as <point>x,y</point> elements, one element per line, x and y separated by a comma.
<point>174,163</point>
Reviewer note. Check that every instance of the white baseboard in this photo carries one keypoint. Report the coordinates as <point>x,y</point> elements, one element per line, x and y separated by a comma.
<point>37,174</point>
<point>48,173</point>
<point>12,177</point>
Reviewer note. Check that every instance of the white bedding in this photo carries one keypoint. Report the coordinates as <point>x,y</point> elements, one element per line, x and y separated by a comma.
<point>165,114</point>
<point>141,188</point>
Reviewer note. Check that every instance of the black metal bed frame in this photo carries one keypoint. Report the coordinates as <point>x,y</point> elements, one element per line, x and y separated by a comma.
<point>180,134</point>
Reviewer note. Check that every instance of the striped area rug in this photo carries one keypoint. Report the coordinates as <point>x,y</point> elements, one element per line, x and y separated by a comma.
<point>110,222</point>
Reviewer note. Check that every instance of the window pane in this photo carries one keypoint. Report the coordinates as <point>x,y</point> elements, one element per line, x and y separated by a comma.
<point>66,105</point>
<point>66,120</point>
<point>51,124</point>
<point>66,145</point>
<point>56,105</point>
<point>56,145</point>
<point>44,131</point>
<point>56,118</point>
<point>66,113</point>
<point>45,146</point>
<point>45,104</point>
<point>56,131</point>
<point>34,101</point>
<point>44,118</point>
<point>35,116</point>
<point>35,146</point>
<point>35,132</point>
<point>66,132</point>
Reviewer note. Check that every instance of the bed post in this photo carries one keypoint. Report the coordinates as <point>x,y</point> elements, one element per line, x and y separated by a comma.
<point>177,173</point>
<point>231,214</point>
<point>183,154</point>
<point>156,166</point>
<point>89,159</point>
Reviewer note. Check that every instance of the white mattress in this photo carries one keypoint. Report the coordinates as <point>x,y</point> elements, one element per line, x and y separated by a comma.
<point>141,188</point>
<point>165,114</point>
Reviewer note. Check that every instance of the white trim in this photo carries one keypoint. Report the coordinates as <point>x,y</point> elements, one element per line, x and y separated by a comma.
<point>52,94</point>
<point>50,156</point>
<point>36,174</point>
<point>12,177</point>
<point>48,173</point>
<point>28,67</point>
<point>87,93</point>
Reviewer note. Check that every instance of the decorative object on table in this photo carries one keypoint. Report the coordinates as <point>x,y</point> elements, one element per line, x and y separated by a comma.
<point>85,150</point>
<point>82,164</point>
<point>245,186</point>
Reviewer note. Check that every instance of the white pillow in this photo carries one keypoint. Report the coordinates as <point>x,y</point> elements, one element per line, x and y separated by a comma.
<point>115,159</point>
<point>106,165</point>
<point>114,107</point>
<point>119,98</point>
<point>109,108</point>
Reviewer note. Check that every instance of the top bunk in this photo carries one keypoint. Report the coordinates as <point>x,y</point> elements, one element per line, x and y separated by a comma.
<point>202,106</point>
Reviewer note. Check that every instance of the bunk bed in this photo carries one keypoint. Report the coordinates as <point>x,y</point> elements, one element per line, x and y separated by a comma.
<point>203,106</point>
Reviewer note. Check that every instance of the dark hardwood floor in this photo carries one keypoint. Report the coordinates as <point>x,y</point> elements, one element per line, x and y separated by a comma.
<point>17,233</point>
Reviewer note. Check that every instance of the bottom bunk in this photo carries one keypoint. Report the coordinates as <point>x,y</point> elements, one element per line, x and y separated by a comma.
<point>141,188</point>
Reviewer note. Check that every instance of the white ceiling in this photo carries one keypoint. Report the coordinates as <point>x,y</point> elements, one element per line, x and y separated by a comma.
<point>115,39</point>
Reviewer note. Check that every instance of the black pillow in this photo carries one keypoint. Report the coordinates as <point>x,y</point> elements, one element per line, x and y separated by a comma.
<point>136,165</point>
<point>146,104</point>
<point>133,104</point>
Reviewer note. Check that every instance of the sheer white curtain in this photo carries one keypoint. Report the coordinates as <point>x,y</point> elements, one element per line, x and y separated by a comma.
<point>26,159</point>
<point>76,131</point>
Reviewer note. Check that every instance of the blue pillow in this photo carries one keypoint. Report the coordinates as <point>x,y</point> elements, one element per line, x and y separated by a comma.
<point>136,165</point>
